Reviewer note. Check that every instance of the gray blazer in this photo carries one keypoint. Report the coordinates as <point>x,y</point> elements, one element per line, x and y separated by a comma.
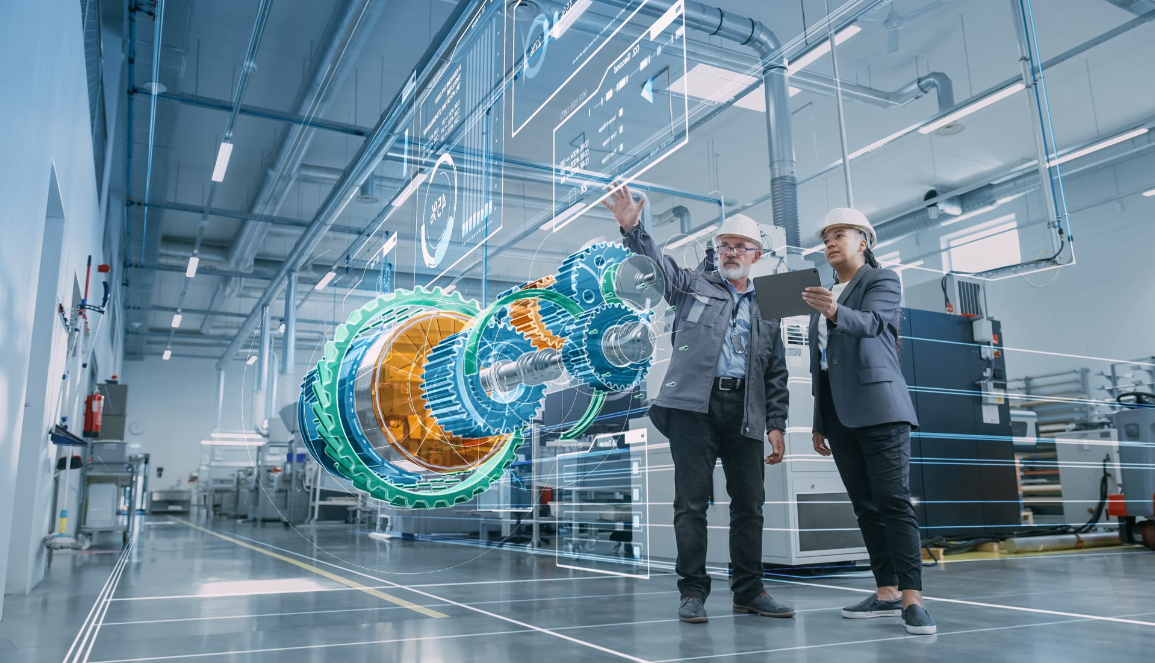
<point>865,378</point>
<point>702,306</point>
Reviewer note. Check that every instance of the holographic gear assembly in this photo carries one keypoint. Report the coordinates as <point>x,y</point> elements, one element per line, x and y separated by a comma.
<point>422,397</point>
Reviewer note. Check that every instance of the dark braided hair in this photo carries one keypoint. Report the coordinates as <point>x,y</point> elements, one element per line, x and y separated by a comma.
<point>873,262</point>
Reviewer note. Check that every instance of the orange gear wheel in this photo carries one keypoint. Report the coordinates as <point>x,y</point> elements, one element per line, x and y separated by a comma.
<point>525,316</point>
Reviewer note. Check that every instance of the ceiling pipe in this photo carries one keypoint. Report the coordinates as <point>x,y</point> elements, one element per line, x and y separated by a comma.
<point>775,81</point>
<point>385,134</point>
<point>592,23</point>
<point>989,196</point>
<point>345,35</point>
<point>1053,62</point>
<point>840,19</point>
<point>935,81</point>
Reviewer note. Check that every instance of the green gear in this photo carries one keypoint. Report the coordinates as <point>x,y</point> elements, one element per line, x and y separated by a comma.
<point>439,492</point>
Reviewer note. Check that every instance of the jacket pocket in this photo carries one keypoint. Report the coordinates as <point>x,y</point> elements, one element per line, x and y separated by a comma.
<point>704,309</point>
<point>877,374</point>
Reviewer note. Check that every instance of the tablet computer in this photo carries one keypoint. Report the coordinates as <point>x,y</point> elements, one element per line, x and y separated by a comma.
<point>780,295</point>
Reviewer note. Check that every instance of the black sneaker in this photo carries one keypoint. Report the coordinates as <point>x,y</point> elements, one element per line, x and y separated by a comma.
<point>872,607</point>
<point>763,605</point>
<point>918,622</point>
<point>693,611</point>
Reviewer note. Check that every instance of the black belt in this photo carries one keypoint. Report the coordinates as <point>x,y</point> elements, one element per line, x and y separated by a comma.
<point>729,384</point>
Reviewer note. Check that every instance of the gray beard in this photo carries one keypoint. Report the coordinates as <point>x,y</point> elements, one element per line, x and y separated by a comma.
<point>734,273</point>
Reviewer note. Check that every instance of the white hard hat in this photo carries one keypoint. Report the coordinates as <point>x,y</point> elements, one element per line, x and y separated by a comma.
<point>848,216</point>
<point>740,225</point>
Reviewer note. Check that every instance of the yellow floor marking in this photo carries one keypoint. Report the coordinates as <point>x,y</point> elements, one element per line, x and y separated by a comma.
<point>976,555</point>
<point>321,572</point>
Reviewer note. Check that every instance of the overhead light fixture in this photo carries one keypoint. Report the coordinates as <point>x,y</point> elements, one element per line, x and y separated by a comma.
<point>1097,146</point>
<point>191,270</point>
<point>167,355</point>
<point>821,49</point>
<point>389,245</point>
<point>718,85</point>
<point>252,360</point>
<point>231,443</point>
<point>879,143</point>
<point>223,155</point>
<point>176,318</point>
<point>689,238</point>
<point>567,19</point>
<point>325,281</point>
<point>409,189</point>
<point>982,210</point>
<point>1149,193</point>
<point>971,108</point>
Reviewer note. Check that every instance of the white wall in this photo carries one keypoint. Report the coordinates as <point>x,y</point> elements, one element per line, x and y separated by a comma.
<point>44,123</point>
<point>173,404</point>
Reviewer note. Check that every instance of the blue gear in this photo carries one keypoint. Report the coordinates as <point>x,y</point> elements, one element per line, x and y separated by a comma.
<point>460,403</point>
<point>580,275</point>
<point>582,353</point>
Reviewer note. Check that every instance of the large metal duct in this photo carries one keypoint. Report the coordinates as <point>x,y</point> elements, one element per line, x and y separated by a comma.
<point>347,32</point>
<point>748,32</point>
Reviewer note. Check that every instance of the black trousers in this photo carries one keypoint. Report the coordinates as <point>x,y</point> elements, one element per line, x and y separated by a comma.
<point>874,462</point>
<point>697,441</point>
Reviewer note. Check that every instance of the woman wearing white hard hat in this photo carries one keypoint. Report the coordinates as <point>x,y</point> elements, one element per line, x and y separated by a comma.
<point>863,413</point>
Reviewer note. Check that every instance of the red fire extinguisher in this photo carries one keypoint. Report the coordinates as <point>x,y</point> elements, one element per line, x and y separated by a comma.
<point>93,411</point>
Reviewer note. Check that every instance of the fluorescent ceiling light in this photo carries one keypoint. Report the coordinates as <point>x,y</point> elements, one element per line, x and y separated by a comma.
<point>689,238</point>
<point>243,435</point>
<point>879,143</point>
<point>970,108</point>
<point>223,155</point>
<point>718,85</point>
<point>409,189</point>
<point>231,443</point>
<point>167,355</point>
<point>325,281</point>
<point>176,318</point>
<point>389,245</point>
<point>974,213</point>
<point>567,19</point>
<point>252,360</point>
<point>1149,193</point>
<point>191,270</point>
<point>821,49</point>
<point>1098,146</point>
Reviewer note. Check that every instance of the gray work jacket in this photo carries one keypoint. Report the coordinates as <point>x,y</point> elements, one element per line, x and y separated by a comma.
<point>702,307</point>
<point>862,354</point>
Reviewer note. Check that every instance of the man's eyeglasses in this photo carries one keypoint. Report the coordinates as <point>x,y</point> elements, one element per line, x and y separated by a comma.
<point>736,250</point>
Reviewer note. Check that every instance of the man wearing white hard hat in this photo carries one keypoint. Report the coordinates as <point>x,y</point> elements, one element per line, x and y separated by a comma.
<point>863,412</point>
<point>724,392</point>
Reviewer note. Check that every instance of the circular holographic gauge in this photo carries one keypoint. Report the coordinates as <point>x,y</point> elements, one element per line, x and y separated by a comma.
<point>413,483</point>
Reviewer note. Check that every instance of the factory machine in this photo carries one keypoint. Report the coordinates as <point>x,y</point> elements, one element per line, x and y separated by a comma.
<point>423,398</point>
<point>962,477</point>
<point>1135,505</point>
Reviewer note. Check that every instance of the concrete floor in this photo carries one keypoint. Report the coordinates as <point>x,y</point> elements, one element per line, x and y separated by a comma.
<point>269,593</point>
